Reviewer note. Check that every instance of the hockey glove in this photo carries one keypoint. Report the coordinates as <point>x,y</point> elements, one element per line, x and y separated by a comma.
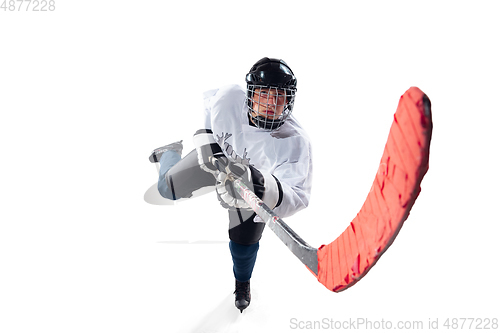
<point>226,192</point>
<point>264,185</point>
<point>207,149</point>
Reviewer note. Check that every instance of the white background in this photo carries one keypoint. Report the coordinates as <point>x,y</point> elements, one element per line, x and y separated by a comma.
<point>88,90</point>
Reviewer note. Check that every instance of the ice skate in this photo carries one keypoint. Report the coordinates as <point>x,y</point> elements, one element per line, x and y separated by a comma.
<point>242,295</point>
<point>156,154</point>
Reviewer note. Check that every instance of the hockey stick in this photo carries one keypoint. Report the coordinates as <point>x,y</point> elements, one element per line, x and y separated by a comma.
<point>347,259</point>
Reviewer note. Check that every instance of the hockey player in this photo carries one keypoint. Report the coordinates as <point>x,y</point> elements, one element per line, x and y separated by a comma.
<point>252,134</point>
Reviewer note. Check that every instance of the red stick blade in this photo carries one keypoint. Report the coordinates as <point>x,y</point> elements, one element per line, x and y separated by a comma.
<point>404,163</point>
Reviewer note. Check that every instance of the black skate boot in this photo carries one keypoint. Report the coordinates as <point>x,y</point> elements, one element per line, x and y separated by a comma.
<point>156,154</point>
<point>242,292</point>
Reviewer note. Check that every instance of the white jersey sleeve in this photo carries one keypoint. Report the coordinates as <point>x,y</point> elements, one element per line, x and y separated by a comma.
<point>295,177</point>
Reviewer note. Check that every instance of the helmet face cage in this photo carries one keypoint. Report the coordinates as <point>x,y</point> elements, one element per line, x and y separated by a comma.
<point>269,106</point>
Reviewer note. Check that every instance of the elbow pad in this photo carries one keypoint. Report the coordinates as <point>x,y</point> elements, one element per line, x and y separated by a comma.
<point>206,148</point>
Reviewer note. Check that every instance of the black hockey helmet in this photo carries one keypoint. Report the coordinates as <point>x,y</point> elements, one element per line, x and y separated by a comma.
<point>276,75</point>
<point>273,73</point>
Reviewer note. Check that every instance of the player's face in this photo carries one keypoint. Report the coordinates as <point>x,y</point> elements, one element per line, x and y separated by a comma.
<point>269,102</point>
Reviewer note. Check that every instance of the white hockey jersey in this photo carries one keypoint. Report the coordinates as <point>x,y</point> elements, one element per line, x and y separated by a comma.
<point>284,153</point>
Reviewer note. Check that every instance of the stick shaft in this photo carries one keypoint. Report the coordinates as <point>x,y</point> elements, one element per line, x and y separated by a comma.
<point>306,253</point>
